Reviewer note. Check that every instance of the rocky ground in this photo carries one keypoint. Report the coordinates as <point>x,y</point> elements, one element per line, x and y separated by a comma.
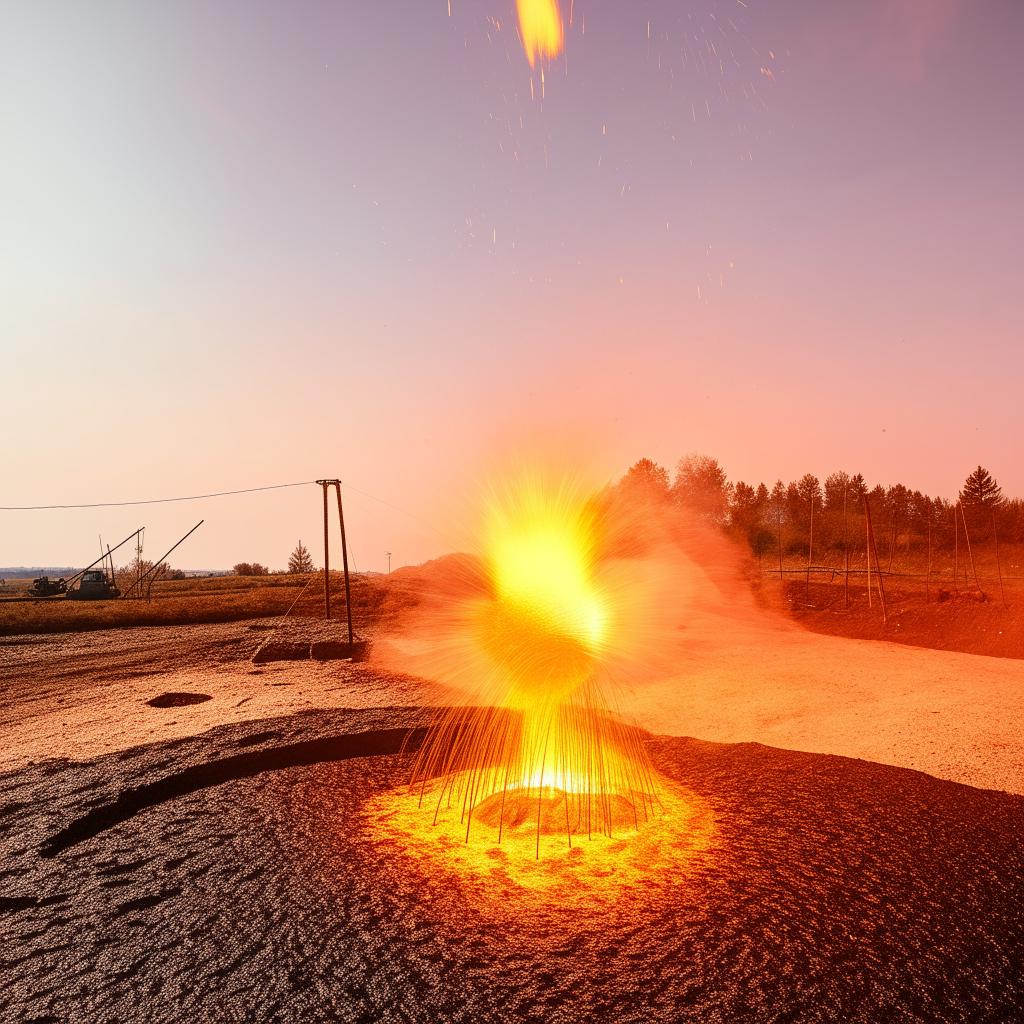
<point>234,876</point>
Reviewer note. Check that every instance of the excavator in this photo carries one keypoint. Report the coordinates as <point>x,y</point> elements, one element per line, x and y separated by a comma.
<point>93,584</point>
<point>98,584</point>
<point>45,587</point>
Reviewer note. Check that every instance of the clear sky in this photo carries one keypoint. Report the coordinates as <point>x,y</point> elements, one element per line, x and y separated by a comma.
<point>247,243</point>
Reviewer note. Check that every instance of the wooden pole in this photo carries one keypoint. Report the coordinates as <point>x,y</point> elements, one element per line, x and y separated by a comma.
<point>878,568</point>
<point>143,577</point>
<point>327,557</point>
<point>167,554</point>
<point>999,568</point>
<point>344,561</point>
<point>778,524</point>
<point>928,577</point>
<point>846,547</point>
<point>892,543</point>
<point>867,546</point>
<point>810,550</point>
<point>970,552</point>
<point>956,555</point>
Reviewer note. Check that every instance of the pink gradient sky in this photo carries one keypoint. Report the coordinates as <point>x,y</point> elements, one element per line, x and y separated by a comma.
<point>243,244</point>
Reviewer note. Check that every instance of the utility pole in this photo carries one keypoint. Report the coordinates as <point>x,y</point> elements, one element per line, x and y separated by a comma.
<point>388,553</point>
<point>344,562</point>
<point>336,484</point>
<point>327,554</point>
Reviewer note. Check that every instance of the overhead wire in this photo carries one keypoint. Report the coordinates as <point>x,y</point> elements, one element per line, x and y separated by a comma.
<point>220,494</point>
<point>152,501</point>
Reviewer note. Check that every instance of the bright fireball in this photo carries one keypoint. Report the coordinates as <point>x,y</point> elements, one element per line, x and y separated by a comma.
<point>540,25</point>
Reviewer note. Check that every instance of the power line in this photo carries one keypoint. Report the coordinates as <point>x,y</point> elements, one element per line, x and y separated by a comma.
<point>405,512</point>
<point>152,501</point>
<point>221,494</point>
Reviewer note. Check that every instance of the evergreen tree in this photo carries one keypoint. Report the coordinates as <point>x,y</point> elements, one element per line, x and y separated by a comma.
<point>980,490</point>
<point>300,560</point>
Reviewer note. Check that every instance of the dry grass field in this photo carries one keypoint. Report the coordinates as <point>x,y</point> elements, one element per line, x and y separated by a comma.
<point>193,600</point>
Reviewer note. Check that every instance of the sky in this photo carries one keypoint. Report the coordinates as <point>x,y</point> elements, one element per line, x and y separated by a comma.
<point>252,243</point>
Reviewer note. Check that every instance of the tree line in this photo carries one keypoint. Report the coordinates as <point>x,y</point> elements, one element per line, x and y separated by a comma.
<point>299,561</point>
<point>825,517</point>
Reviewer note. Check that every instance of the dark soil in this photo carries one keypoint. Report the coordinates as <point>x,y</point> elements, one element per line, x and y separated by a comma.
<point>233,877</point>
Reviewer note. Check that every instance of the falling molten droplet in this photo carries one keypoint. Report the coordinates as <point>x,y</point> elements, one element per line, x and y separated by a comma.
<point>540,25</point>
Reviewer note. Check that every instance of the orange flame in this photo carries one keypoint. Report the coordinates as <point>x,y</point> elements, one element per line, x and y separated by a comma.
<point>540,26</point>
<point>534,632</point>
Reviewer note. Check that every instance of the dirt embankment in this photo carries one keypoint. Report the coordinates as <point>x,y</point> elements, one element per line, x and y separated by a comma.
<point>989,621</point>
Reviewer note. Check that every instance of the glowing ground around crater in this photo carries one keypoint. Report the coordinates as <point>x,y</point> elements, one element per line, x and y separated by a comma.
<point>573,867</point>
<point>832,889</point>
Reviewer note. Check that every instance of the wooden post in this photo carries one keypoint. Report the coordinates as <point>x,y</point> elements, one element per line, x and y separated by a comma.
<point>970,552</point>
<point>867,545</point>
<point>158,565</point>
<point>928,576</point>
<point>846,547</point>
<point>344,562</point>
<point>327,556</point>
<point>956,555</point>
<point>999,568</point>
<point>878,568</point>
<point>778,524</point>
<point>892,544</point>
<point>810,550</point>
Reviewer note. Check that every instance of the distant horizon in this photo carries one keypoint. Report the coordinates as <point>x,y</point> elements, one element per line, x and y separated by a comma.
<point>670,467</point>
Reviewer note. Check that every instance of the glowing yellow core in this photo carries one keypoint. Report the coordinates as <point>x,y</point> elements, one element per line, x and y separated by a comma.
<point>540,24</point>
<point>547,621</point>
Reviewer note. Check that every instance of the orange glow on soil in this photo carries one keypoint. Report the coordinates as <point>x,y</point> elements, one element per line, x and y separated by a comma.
<point>540,26</point>
<point>591,872</point>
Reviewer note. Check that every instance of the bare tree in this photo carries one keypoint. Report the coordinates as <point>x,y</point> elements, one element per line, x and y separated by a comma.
<point>701,485</point>
<point>646,481</point>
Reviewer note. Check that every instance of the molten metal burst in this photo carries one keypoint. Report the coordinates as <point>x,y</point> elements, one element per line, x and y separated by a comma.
<point>538,744</point>
<point>540,25</point>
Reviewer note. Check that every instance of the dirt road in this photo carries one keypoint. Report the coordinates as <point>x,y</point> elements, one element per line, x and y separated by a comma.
<point>739,672</point>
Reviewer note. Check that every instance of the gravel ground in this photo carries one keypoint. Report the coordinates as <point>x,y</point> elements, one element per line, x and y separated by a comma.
<point>234,876</point>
